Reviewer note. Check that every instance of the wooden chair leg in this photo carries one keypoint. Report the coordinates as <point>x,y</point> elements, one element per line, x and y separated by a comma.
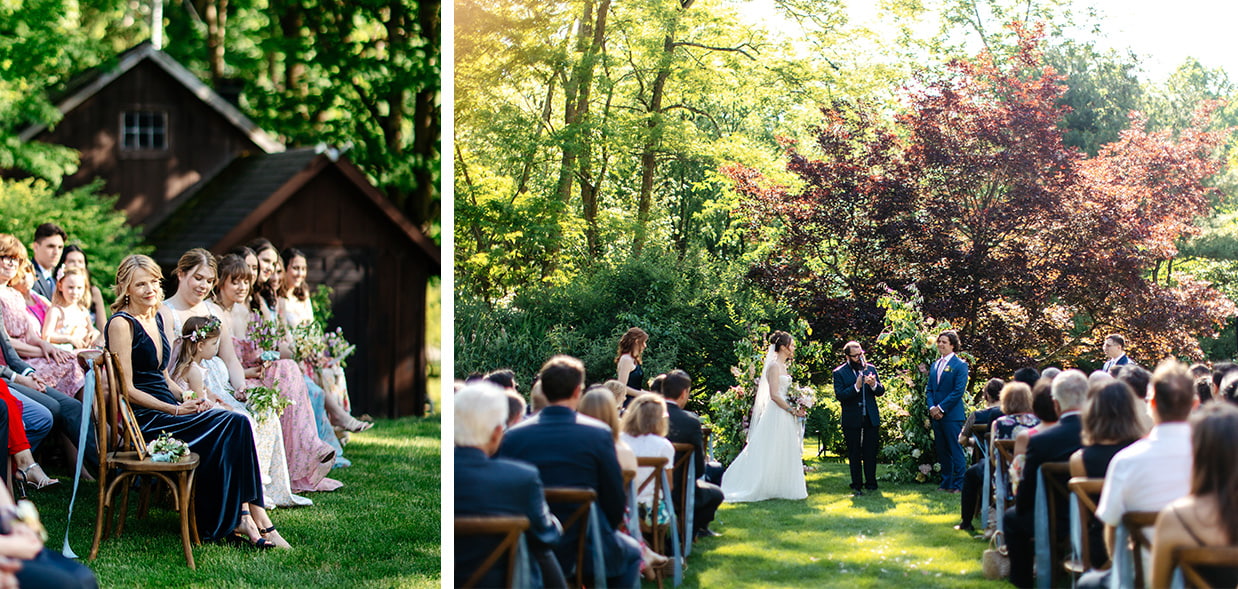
<point>144,486</point>
<point>123,489</point>
<point>100,515</point>
<point>182,499</point>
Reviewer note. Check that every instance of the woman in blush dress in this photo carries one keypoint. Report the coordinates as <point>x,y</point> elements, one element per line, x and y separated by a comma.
<point>771,465</point>
<point>196,274</point>
<point>231,507</point>
<point>54,365</point>
<point>295,309</point>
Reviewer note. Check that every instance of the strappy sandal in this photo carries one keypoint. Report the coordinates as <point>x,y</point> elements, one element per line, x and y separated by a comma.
<point>23,478</point>
<point>241,538</point>
<point>265,531</point>
<point>357,425</point>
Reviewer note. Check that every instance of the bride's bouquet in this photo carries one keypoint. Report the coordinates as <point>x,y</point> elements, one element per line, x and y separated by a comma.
<point>801,397</point>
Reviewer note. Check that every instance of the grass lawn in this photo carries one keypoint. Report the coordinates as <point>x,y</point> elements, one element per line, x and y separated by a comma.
<point>899,536</point>
<point>380,530</point>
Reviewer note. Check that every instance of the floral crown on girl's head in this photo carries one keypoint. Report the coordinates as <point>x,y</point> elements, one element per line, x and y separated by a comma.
<point>207,330</point>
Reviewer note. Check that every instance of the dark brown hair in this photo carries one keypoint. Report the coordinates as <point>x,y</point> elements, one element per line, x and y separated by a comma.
<point>302,291</point>
<point>953,336</point>
<point>1109,415</point>
<point>560,377</point>
<point>1174,391</point>
<point>1214,436</point>
<point>628,342</point>
<point>780,340</point>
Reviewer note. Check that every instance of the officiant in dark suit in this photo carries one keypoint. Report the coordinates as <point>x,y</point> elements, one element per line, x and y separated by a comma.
<point>857,388</point>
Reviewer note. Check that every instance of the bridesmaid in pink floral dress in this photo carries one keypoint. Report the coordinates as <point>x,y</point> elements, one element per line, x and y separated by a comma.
<point>55,364</point>
<point>309,458</point>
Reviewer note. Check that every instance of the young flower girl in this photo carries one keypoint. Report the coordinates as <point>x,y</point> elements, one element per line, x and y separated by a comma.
<point>68,322</point>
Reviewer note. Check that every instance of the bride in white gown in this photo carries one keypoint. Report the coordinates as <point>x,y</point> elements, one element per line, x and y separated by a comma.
<point>771,465</point>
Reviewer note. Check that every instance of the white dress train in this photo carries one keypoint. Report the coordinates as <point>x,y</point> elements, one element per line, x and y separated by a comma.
<point>771,465</point>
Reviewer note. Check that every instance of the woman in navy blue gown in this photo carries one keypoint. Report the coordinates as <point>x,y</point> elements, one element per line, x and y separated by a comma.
<point>228,486</point>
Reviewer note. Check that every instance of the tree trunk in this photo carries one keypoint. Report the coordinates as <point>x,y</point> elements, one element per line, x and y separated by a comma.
<point>216,16</point>
<point>648,156</point>
<point>589,38</point>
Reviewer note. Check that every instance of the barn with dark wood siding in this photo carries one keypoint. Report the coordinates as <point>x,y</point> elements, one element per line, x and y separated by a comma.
<point>193,171</point>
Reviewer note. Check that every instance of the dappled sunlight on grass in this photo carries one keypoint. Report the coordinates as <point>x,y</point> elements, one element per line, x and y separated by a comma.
<point>899,536</point>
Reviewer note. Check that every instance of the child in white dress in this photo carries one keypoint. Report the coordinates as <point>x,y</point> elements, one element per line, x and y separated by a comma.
<point>68,322</point>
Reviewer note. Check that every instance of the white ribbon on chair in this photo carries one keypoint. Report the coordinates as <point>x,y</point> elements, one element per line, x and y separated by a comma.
<point>1000,492</point>
<point>987,482</point>
<point>521,577</point>
<point>1044,558</point>
<point>1076,536</point>
<point>88,405</point>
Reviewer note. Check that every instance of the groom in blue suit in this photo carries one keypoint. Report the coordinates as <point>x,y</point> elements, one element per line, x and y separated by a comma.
<point>947,381</point>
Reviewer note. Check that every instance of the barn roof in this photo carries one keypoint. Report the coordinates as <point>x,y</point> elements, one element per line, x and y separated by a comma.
<point>87,85</point>
<point>224,209</point>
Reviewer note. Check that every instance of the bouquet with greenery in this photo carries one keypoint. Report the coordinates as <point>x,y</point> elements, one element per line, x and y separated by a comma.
<point>265,333</point>
<point>801,397</point>
<point>166,448</point>
<point>264,402</point>
<point>338,348</point>
<point>308,343</point>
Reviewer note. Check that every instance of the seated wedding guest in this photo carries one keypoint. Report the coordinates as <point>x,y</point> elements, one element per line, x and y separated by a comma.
<point>515,408</point>
<point>57,367</point>
<point>498,486</point>
<point>74,257</point>
<point>644,431</point>
<point>1208,516</point>
<point>596,404</point>
<point>685,428</point>
<point>1109,425</point>
<point>1153,472</point>
<point>1015,400</point>
<point>537,400</point>
<point>1219,370</point>
<point>992,410</point>
<point>49,240</point>
<point>1229,388</point>
<point>504,378</point>
<point>1054,444</point>
<point>1203,388</point>
<point>1051,373</point>
<point>618,389</point>
<point>68,323</point>
<point>1200,370</point>
<point>25,562</point>
<point>309,458</point>
<point>36,304</point>
<point>1138,378</point>
<point>573,450</point>
<point>1046,413</point>
<point>230,508</point>
<point>1027,375</point>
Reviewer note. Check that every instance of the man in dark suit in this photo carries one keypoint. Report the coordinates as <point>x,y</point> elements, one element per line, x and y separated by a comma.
<point>857,389</point>
<point>685,428</point>
<point>1054,444</point>
<point>49,241</point>
<point>571,450</point>
<point>1114,348</point>
<point>947,382</point>
<point>486,486</point>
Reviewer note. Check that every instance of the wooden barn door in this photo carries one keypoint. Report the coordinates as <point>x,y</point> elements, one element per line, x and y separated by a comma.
<point>350,272</point>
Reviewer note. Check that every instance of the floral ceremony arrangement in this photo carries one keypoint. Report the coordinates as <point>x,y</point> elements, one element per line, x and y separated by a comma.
<point>264,402</point>
<point>166,448</point>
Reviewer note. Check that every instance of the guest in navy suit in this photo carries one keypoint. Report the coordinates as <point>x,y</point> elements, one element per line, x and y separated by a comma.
<point>486,486</point>
<point>572,450</point>
<point>947,381</point>
<point>1054,444</point>
<point>685,428</point>
<point>857,389</point>
<point>1115,352</point>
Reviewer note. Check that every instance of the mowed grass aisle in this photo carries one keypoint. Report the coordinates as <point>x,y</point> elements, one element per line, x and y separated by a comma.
<point>380,530</point>
<point>899,536</point>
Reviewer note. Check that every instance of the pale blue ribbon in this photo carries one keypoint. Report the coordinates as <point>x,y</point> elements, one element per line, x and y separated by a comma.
<point>1044,558</point>
<point>676,553</point>
<point>689,506</point>
<point>595,535</point>
<point>88,405</point>
<point>521,577</point>
<point>633,516</point>
<point>1123,573</point>
<point>1076,536</point>
<point>987,483</point>
<point>1001,492</point>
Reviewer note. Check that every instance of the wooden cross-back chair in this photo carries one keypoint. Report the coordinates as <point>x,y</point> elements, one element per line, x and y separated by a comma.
<point>1136,522</point>
<point>508,528</point>
<point>655,532</point>
<point>979,437</point>
<point>1002,457</point>
<point>583,499</point>
<point>1087,490</point>
<point>123,456</point>
<point>685,455</point>
<point>1056,475</point>
<point>1187,558</point>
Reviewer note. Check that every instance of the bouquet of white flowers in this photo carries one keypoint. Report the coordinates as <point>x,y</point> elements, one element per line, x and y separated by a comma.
<point>166,448</point>
<point>801,397</point>
<point>263,402</point>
